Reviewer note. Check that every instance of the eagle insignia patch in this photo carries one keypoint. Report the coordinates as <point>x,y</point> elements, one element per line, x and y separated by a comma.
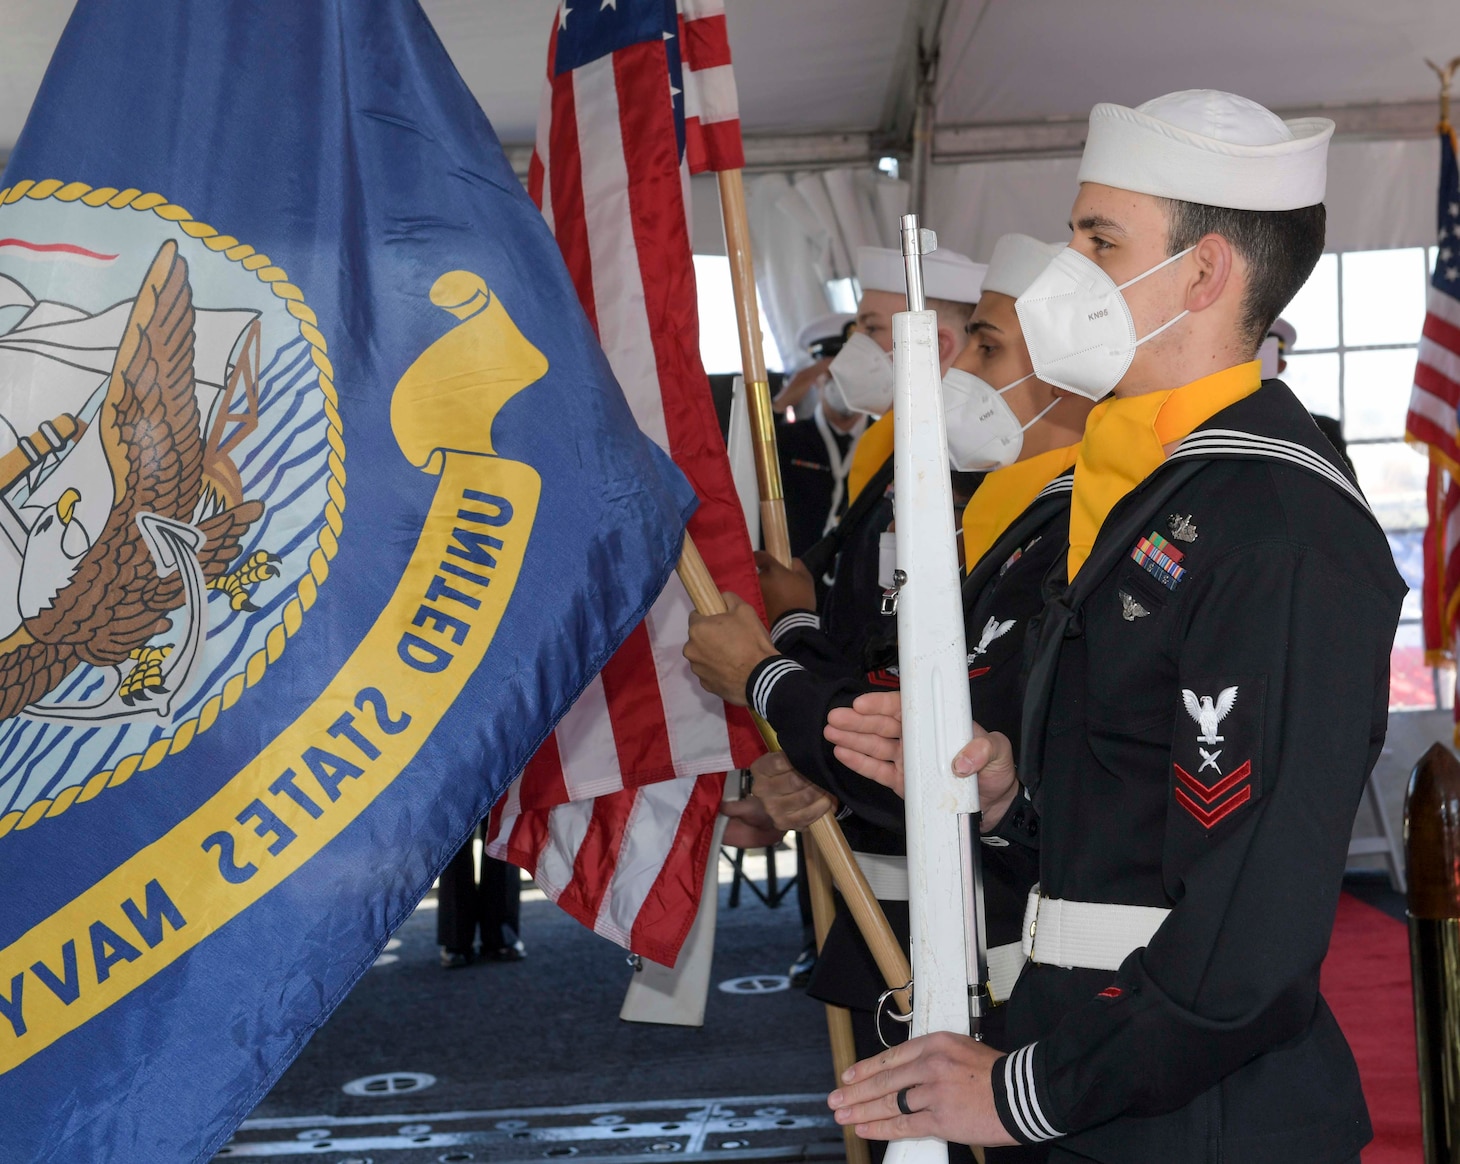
<point>1212,767</point>
<point>993,629</point>
<point>1130,609</point>
<point>167,459</point>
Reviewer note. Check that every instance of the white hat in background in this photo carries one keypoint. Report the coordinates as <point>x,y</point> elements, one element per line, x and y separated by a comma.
<point>1017,260</point>
<point>1286,333</point>
<point>1209,147</point>
<point>823,327</point>
<point>946,274</point>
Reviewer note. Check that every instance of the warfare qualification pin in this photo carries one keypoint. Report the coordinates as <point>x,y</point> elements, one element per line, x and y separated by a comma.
<point>1183,529</point>
<point>1130,609</point>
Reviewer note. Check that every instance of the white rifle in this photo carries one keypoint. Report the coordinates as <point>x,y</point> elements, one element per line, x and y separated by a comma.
<point>949,959</point>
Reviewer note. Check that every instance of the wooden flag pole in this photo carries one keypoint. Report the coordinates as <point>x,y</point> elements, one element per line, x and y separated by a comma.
<point>846,874</point>
<point>826,834</point>
<point>752,360</point>
<point>826,847</point>
<point>825,850</point>
<point>838,1019</point>
<point>1446,74</point>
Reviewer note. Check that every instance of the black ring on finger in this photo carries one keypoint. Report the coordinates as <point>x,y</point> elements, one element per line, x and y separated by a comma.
<point>902,1102</point>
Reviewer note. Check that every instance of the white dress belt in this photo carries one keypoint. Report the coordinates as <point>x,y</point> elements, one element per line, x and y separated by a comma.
<point>1093,935</point>
<point>1005,963</point>
<point>887,877</point>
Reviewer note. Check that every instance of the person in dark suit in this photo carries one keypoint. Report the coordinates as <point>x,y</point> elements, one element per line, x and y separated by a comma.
<point>489,902</point>
<point>816,449</point>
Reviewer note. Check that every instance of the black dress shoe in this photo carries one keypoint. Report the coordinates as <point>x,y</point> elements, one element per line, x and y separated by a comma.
<point>513,953</point>
<point>455,959</point>
<point>802,967</point>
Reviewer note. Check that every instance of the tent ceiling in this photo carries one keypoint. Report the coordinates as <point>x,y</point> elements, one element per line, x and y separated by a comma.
<point>805,67</point>
<point>1056,58</point>
<point>812,66</point>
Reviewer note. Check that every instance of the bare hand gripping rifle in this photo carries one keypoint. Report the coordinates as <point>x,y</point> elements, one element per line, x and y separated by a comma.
<point>949,954</point>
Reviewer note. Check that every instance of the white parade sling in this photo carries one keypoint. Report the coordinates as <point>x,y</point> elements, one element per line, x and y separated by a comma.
<point>942,854</point>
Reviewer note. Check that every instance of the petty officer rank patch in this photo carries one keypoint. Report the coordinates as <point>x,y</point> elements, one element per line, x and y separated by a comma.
<point>1217,743</point>
<point>1161,559</point>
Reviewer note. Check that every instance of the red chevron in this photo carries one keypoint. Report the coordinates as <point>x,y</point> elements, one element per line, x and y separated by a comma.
<point>1210,792</point>
<point>1209,819</point>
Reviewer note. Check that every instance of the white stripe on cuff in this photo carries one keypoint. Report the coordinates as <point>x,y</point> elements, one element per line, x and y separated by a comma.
<point>794,620</point>
<point>1023,1100</point>
<point>761,693</point>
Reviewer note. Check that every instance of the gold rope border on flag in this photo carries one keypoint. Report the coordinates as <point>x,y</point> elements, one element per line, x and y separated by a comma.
<point>328,541</point>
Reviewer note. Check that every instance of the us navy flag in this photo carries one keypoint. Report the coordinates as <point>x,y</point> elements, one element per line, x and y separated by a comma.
<point>318,506</point>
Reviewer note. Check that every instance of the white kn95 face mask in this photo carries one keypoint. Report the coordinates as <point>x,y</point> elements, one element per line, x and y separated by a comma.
<point>1078,326</point>
<point>983,432</point>
<point>861,377</point>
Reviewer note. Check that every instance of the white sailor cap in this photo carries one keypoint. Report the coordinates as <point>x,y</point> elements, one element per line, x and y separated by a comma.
<point>1016,262</point>
<point>946,274</point>
<point>1209,147</point>
<point>1286,333</point>
<point>823,327</point>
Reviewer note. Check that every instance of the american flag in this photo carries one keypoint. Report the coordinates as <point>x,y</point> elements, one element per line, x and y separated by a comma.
<point>1434,419</point>
<point>614,815</point>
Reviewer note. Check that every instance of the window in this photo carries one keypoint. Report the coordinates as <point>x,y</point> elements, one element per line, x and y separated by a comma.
<point>843,294</point>
<point>719,329</point>
<point>1358,320</point>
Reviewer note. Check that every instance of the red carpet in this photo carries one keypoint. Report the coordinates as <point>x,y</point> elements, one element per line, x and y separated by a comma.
<point>1366,982</point>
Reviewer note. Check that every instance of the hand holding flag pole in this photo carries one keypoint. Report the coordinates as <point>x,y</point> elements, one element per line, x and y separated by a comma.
<point>826,833</point>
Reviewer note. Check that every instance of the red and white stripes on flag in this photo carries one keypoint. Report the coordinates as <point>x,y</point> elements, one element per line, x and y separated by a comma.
<point>711,104</point>
<point>1434,421</point>
<point>614,814</point>
<point>630,865</point>
<point>1435,398</point>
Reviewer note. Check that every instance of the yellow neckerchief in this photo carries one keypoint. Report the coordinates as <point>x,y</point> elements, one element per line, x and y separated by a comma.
<point>1006,493</point>
<point>1124,444</point>
<point>874,446</point>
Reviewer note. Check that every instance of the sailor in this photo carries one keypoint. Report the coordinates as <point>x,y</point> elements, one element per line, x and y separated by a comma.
<point>1275,346</point>
<point>1207,694</point>
<point>861,382</point>
<point>821,339</point>
<point>816,450</point>
<point>1002,420</point>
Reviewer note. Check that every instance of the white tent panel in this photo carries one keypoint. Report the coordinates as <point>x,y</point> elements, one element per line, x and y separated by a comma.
<point>500,49</point>
<point>809,67</point>
<point>1382,194</point>
<point>1056,58</point>
<point>805,67</point>
<point>813,66</point>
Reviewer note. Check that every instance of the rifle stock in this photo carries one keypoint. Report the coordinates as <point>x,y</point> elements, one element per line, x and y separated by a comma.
<point>942,855</point>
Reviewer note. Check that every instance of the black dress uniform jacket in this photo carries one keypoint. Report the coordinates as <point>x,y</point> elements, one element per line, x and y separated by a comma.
<point>1198,731</point>
<point>809,479</point>
<point>852,609</point>
<point>1002,596</point>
